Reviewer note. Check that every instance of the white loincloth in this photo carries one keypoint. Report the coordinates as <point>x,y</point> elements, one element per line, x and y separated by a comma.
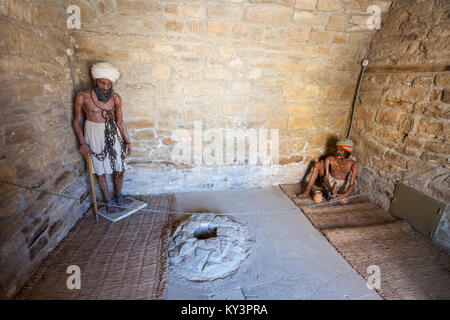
<point>341,184</point>
<point>94,133</point>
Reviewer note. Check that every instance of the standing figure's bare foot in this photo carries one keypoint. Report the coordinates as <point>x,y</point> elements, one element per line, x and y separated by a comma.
<point>110,206</point>
<point>122,201</point>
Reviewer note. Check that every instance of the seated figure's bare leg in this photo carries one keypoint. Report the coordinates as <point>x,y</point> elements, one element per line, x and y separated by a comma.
<point>318,171</point>
<point>335,189</point>
<point>104,186</point>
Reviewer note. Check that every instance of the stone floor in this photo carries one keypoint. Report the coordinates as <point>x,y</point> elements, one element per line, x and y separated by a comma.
<point>289,258</point>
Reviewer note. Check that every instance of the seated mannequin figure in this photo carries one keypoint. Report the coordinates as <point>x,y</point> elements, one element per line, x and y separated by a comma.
<point>336,176</point>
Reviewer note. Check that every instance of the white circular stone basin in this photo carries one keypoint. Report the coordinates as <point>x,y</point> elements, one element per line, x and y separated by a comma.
<point>212,258</point>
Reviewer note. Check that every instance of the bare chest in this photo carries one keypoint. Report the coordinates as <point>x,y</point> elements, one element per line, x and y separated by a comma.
<point>341,167</point>
<point>95,110</point>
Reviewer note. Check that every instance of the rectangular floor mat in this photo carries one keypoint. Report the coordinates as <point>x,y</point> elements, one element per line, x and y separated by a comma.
<point>411,266</point>
<point>126,259</point>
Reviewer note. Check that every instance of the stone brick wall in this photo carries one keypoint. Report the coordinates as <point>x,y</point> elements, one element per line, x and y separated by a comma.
<point>37,145</point>
<point>274,64</point>
<point>285,64</point>
<point>402,123</point>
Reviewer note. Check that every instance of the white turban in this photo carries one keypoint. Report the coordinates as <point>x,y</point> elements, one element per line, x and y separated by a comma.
<point>105,70</point>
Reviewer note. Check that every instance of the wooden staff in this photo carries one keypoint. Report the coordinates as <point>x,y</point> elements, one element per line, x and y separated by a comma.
<point>92,186</point>
<point>69,54</point>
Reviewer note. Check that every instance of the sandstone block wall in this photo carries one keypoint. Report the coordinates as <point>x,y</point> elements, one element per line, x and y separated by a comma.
<point>37,145</point>
<point>402,123</point>
<point>272,64</point>
<point>286,65</point>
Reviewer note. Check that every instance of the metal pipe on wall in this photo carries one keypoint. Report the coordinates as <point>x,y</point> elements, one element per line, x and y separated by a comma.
<point>355,99</point>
